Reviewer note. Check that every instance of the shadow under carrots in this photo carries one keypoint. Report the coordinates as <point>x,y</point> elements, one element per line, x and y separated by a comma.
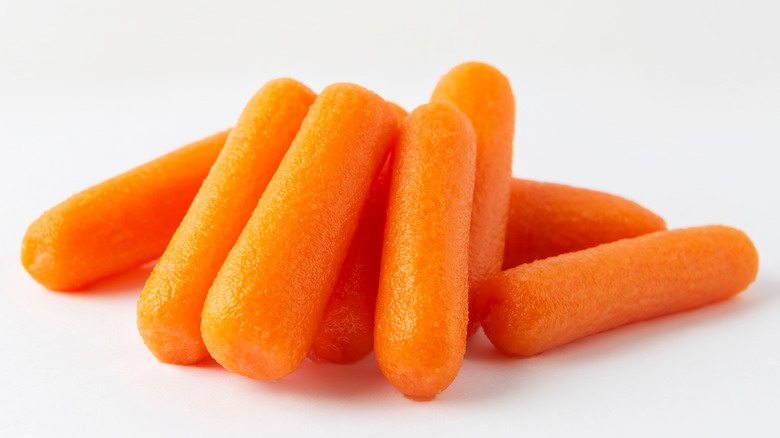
<point>356,382</point>
<point>487,371</point>
<point>207,363</point>
<point>642,333</point>
<point>128,282</point>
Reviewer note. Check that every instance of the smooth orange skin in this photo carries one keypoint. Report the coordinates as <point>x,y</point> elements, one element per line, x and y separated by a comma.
<point>346,330</point>
<point>483,93</point>
<point>118,224</point>
<point>169,308</point>
<point>547,219</point>
<point>541,305</point>
<point>262,311</point>
<point>422,301</point>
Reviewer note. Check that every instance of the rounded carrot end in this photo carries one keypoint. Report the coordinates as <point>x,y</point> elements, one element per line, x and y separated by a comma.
<point>262,310</point>
<point>118,224</point>
<point>656,223</point>
<point>470,73</point>
<point>168,342</point>
<point>420,378</point>
<point>495,306</point>
<point>186,351</point>
<point>35,258</point>
<point>171,303</point>
<point>744,256</point>
<point>231,338</point>
<point>39,257</point>
<point>422,301</point>
<point>485,95</point>
<point>244,356</point>
<point>548,303</point>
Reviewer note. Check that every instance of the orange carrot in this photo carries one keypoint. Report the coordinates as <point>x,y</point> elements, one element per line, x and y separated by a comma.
<point>422,302</point>
<point>400,112</point>
<point>485,96</point>
<point>262,311</point>
<point>170,305</point>
<point>541,305</point>
<point>547,219</point>
<point>346,330</point>
<point>118,224</point>
<point>71,246</point>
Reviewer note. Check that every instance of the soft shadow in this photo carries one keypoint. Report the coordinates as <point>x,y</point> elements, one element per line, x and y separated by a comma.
<point>131,281</point>
<point>350,383</point>
<point>479,349</point>
<point>207,364</point>
<point>487,373</point>
<point>364,382</point>
<point>636,336</point>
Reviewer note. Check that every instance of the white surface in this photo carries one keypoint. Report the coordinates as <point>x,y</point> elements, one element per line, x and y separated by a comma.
<point>675,104</point>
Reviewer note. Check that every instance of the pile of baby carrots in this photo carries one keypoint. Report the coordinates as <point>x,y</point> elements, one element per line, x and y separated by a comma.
<point>334,224</point>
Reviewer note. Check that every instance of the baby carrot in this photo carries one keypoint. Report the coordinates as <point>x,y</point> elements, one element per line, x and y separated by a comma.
<point>346,330</point>
<point>422,302</point>
<point>262,311</point>
<point>541,305</point>
<point>547,219</point>
<point>118,224</point>
<point>400,112</point>
<point>485,96</point>
<point>170,305</point>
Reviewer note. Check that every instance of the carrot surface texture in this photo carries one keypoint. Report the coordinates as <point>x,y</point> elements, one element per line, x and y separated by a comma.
<point>422,301</point>
<point>262,311</point>
<point>170,304</point>
<point>483,93</point>
<point>547,219</point>
<point>346,331</point>
<point>541,305</point>
<point>400,112</point>
<point>118,224</point>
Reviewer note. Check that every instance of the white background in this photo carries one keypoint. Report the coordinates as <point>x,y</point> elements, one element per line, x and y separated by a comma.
<point>674,104</point>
